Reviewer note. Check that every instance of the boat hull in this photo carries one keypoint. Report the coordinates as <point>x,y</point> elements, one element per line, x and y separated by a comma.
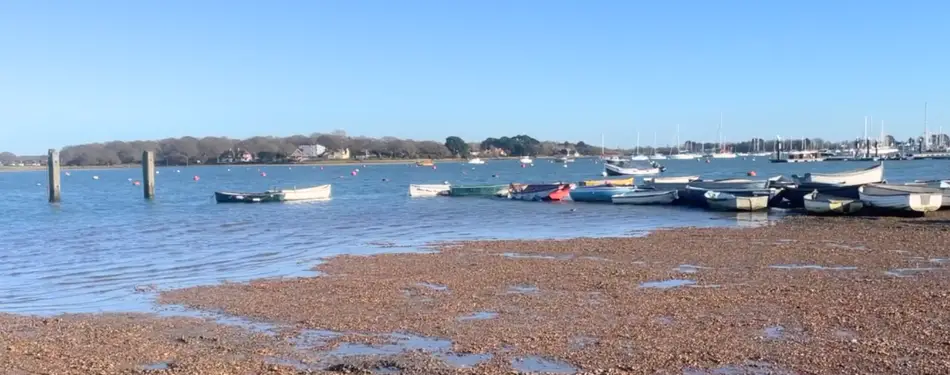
<point>478,190</point>
<point>645,197</point>
<point>818,204</point>
<point>796,195</point>
<point>308,194</point>
<point>614,170</point>
<point>901,198</point>
<point>696,196</point>
<point>609,182</point>
<point>265,197</point>
<point>598,193</point>
<point>540,192</point>
<point>729,202</point>
<point>870,175</point>
<point>432,190</point>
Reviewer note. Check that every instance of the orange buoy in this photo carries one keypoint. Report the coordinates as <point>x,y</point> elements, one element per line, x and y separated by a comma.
<point>751,174</point>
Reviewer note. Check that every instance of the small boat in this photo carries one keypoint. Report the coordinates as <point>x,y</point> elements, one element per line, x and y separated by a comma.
<point>617,170</point>
<point>685,156</point>
<point>431,190</point>
<point>525,160</point>
<point>478,190</point>
<point>729,202</point>
<point>598,193</point>
<point>476,161</point>
<point>564,159</point>
<point>646,196</point>
<point>730,184</point>
<point>425,163</point>
<point>821,204</point>
<point>795,193</point>
<point>265,197</point>
<point>724,155</point>
<point>901,197</point>
<point>608,182</point>
<point>943,185</point>
<point>639,158</point>
<point>307,194</point>
<point>670,180</point>
<point>539,192</point>
<point>870,175</point>
<point>696,196</point>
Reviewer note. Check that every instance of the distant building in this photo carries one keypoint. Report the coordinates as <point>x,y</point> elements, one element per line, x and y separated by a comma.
<point>230,157</point>
<point>308,153</point>
<point>493,152</point>
<point>339,155</point>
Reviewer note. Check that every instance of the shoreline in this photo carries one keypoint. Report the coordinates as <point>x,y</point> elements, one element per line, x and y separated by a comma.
<point>805,294</point>
<point>319,163</point>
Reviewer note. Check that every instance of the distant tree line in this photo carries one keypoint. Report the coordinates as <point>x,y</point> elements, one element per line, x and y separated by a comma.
<point>210,150</point>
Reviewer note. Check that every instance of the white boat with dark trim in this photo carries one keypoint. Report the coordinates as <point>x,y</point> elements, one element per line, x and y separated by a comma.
<point>943,185</point>
<point>306,194</point>
<point>822,204</point>
<point>616,170</point>
<point>525,160</point>
<point>430,190</point>
<point>729,202</point>
<point>476,161</point>
<point>901,197</point>
<point>645,196</point>
<point>869,175</point>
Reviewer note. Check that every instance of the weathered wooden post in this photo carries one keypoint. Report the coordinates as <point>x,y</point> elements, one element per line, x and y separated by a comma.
<point>148,174</point>
<point>52,164</point>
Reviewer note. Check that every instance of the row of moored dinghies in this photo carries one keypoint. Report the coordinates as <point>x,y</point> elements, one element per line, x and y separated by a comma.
<point>819,193</point>
<point>294,194</point>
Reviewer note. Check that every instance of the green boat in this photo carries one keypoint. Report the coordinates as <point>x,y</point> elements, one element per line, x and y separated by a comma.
<point>477,190</point>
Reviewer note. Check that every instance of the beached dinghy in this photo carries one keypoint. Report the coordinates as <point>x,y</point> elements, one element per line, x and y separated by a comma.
<point>307,194</point>
<point>431,190</point>
<point>616,170</point>
<point>822,204</point>
<point>729,202</point>
<point>870,175</point>
<point>901,197</point>
<point>943,185</point>
<point>539,192</point>
<point>598,193</point>
<point>608,182</point>
<point>646,196</point>
<point>265,197</point>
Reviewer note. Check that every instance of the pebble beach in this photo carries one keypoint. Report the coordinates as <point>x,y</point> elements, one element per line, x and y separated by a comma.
<point>799,295</point>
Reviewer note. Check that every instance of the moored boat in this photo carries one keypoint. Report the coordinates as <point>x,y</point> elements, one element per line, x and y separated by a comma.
<point>795,194</point>
<point>539,192</point>
<point>609,182</point>
<point>598,193</point>
<point>730,202</point>
<point>564,159</point>
<point>425,163</point>
<point>870,175</point>
<point>525,160</point>
<point>645,196</point>
<point>901,197</point>
<point>476,161</point>
<point>306,194</point>
<point>478,190</point>
<point>821,204</point>
<point>430,190</point>
<point>943,185</point>
<point>617,170</point>
<point>695,192</point>
<point>264,197</point>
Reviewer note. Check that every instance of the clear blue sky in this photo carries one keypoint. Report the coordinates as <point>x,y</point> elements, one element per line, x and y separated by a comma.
<point>82,71</point>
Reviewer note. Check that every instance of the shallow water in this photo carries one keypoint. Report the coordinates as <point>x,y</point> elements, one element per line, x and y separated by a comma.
<point>104,245</point>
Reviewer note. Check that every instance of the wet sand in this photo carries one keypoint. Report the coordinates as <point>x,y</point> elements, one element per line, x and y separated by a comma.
<point>805,295</point>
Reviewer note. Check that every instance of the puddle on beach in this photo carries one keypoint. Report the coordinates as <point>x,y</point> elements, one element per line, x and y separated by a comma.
<point>688,268</point>
<point>157,366</point>
<point>774,332</point>
<point>748,368</point>
<point>438,287</point>
<point>537,256</point>
<point>908,272</point>
<point>481,315</point>
<point>522,289</point>
<point>812,267</point>
<point>667,284</point>
<point>543,365</point>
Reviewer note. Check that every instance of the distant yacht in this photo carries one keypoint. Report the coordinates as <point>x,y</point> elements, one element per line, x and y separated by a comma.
<point>722,154</point>
<point>526,160</point>
<point>680,155</point>
<point>637,156</point>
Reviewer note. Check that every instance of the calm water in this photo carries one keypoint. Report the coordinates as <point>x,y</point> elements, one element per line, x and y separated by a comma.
<point>93,250</point>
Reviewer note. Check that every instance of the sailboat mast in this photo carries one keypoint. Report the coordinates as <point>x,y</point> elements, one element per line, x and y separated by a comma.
<point>720,132</point>
<point>926,129</point>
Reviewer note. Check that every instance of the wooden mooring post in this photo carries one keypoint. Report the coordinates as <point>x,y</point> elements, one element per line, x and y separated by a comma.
<point>52,164</point>
<point>148,174</point>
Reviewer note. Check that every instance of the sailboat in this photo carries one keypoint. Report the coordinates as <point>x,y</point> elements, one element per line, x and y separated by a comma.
<point>722,154</point>
<point>638,156</point>
<point>680,155</point>
<point>655,155</point>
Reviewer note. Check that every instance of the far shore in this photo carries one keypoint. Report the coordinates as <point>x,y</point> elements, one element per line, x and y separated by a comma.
<point>322,162</point>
